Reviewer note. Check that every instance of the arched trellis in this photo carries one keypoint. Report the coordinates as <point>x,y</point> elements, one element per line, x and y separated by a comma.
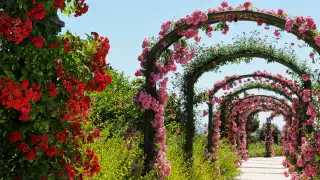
<point>203,96</point>
<point>241,118</point>
<point>231,79</point>
<point>248,87</point>
<point>230,97</point>
<point>280,101</point>
<point>223,103</point>
<point>273,98</point>
<point>214,16</point>
<point>276,112</point>
<point>223,55</point>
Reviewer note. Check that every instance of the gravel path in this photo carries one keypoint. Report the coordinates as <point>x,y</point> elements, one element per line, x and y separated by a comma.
<point>263,169</point>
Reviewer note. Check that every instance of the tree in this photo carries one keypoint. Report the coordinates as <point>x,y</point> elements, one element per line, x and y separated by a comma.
<point>113,108</point>
<point>173,114</point>
<point>252,126</point>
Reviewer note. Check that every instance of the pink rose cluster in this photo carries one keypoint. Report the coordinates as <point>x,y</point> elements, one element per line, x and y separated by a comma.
<point>216,134</point>
<point>147,102</point>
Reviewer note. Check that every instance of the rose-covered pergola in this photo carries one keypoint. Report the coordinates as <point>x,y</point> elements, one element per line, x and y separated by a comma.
<point>229,82</point>
<point>157,60</point>
<point>241,112</point>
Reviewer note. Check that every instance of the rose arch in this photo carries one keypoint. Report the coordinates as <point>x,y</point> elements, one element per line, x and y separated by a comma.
<point>214,58</point>
<point>157,60</point>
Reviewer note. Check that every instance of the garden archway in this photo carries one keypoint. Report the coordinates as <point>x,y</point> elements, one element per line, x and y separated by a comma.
<point>172,34</point>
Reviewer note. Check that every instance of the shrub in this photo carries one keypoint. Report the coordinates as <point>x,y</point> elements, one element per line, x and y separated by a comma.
<point>203,168</point>
<point>227,161</point>
<point>177,157</point>
<point>120,157</point>
<point>43,80</point>
<point>113,108</point>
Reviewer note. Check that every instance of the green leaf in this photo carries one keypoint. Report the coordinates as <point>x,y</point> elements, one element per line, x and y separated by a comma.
<point>51,177</point>
<point>45,123</point>
<point>54,114</point>
<point>45,96</point>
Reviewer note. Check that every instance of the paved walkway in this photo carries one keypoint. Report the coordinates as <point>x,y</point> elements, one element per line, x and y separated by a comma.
<point>263,169</point>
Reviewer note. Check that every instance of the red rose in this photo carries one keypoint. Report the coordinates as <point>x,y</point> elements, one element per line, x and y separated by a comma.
<point>67,47</point>
<point>58,4</point>
<point>61,136</point>
<point>97,132</point>
<point>24,84</point>
<point>90,153</point>
<point>53,93</point>
<point>37,41</point>
<point>38,12</point>
<point>54,45</point>
<point>61,153</point>
<point>35,139</point>
<point>24,117</point>
<point>37,148</point>
<point>31,155</point>
<point>23,147</point>
<point>52,151</point>
<point>15,137</point>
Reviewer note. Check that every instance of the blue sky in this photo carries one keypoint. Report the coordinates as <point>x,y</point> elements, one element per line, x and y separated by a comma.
<point>126,23</point>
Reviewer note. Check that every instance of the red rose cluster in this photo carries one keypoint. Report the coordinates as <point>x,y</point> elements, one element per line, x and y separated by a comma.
<point>82,8</point>
<point>18,96</point>
<point>14,29</point>
<point>91,166</point>
<point>38,143</point>
<point>77,106</point>
<point>53,91</point>
<point>101,80</point>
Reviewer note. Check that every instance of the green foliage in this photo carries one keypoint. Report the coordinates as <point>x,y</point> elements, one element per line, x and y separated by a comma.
<point>252,124</point>
<point>180,168</point>
<point>113,107</point>
<point>116,158</point>
<point>212,58</point>
<point>227,159</point>
<point>118,161</point>
<point>173,111</point>
<point>203,169</point>
<point>258,149</point>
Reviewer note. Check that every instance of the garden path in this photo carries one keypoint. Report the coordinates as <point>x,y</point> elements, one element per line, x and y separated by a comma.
<point>263,169</point>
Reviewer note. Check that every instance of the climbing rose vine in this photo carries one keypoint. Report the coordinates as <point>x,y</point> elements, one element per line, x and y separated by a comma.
<point>43,80</point>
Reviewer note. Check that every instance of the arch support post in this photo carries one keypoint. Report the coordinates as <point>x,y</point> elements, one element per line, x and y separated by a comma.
<point>190,122</point>
<point>268,138</point>
<point>210,127</point>
<point>148,131</point>
<point>148,145</point>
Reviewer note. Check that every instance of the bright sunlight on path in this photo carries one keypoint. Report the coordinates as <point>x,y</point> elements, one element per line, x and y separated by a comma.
<point>263,169</point>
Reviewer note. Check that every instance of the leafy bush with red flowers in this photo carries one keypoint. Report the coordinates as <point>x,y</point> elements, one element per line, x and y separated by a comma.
<point>43,80</point>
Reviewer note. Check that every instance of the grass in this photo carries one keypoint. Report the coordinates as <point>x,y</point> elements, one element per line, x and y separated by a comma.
<point>258,149</point>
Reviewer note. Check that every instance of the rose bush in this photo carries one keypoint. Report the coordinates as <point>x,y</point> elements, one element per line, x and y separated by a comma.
<point>43,80</point>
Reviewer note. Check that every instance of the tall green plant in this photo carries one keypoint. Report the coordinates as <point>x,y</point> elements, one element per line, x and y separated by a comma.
<point>113,108</point>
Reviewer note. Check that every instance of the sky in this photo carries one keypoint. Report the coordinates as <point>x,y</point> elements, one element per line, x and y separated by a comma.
<point>126,23</point>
